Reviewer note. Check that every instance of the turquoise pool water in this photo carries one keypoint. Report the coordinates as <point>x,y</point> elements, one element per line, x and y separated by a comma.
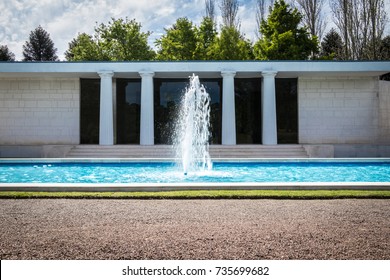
<point>168,172</point>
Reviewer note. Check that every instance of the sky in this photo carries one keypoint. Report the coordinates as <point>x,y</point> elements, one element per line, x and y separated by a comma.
<point>64,19</point>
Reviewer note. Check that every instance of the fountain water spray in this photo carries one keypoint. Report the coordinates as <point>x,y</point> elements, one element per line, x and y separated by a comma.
<point>192,128</point>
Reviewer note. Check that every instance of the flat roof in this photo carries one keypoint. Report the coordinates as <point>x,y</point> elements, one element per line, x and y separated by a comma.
<point>167,69</point>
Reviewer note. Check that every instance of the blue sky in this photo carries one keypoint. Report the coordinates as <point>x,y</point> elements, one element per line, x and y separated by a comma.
<point>64,19</point>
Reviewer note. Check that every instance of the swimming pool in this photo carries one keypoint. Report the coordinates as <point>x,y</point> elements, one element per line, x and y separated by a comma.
<point>135,175</point>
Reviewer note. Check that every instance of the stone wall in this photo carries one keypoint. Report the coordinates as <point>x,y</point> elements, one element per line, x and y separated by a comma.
<point>338,110</point>
<point>37,111</point>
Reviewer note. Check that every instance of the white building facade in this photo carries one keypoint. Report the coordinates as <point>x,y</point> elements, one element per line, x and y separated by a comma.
<point>342,105</point>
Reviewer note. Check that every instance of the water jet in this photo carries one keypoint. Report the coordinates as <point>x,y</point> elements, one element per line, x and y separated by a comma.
<point>192,129</point>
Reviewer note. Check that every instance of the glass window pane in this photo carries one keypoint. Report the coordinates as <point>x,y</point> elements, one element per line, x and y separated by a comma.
<point>248,110</point>
<point>128,98</point>
<point>89,111</point>
<point>214,89</point>
<point>287,110</point>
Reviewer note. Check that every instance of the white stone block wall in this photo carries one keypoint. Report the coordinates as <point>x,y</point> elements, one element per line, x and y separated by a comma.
<point>338,110</point>
<point>384,112</point>
<point>36,111</point>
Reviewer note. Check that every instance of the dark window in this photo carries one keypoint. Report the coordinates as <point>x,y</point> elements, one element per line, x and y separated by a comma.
<point>248,110</point>
<point>214,88</point>
<point>287,110</point>
<point>128,99</point>
<point>89,111</point>
<point>167,96</point>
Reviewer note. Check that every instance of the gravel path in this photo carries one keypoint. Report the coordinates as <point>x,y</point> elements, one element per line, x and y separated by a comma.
<point>194,229</point>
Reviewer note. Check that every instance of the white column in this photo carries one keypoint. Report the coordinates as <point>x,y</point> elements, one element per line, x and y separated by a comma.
<point>106,123</point>
<point>228,109</point>
<point>268,104</point>
<point>147,113</point>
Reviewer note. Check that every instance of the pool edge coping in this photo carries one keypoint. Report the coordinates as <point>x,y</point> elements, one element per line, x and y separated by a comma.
<point>146,160</point>
<point>155,187</point>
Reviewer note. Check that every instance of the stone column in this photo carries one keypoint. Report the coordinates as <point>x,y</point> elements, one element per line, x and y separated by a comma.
<point>268,104</point>
<point>106,122</point>
<point>228,109</point>
<point>147,109</point>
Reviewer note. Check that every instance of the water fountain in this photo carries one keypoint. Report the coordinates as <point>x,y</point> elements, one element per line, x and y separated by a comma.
<point>192,131</point>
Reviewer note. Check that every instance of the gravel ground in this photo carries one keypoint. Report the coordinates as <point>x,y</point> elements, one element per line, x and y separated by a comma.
<point>194,229</point>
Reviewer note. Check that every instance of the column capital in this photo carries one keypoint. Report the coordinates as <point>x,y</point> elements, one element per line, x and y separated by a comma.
<point>228,73</point>
<point>106,73</point>
<point>269,73</point>
<point>146,73</point>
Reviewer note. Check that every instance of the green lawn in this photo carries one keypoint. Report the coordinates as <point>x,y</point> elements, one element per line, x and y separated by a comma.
<point>212,194</point>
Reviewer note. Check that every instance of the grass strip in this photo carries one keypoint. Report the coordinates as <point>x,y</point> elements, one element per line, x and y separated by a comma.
<point>209,194</point>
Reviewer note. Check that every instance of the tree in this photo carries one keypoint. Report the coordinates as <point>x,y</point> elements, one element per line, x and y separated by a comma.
<point>39,47</point>
<point>341,16</point>
<point>261,13</point>
<point>282,37</point>
<point>229,10</point>
<point>122,40</point>
<point>362,24</point>
<point>384,49</point>
<point>231,45</point>
<point>313,16</point>
<point>119,40</point>
<point>332,46</point>
<point>83,48</point>
<point>210,9</point>
<point>377,18</point>
<point>206,35</point>
<point>179,42</point>
<point>6,54</point>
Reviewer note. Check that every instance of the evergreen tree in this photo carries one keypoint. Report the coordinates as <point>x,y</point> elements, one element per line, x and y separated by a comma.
<point>282,38</point>
<point>206,35</point>
<point>39,47</point>
<point>332,46</point>
<point>385,48</point>
<point>6,54</point>
<point>179,42</point>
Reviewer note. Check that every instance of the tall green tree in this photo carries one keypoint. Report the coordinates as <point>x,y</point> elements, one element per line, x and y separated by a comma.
<point>83,48</point>
<point>179,42</point>
<point>283,38</point>
<point>6,54</point>
<point>39,47</point>
<point>123,40</point>
<point>206,35</point>
<point>332,46</point>
<point>119,40</point>
<point>231,45</point>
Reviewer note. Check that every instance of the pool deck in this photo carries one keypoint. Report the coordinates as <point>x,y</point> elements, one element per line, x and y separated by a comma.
<point>154,187</point>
